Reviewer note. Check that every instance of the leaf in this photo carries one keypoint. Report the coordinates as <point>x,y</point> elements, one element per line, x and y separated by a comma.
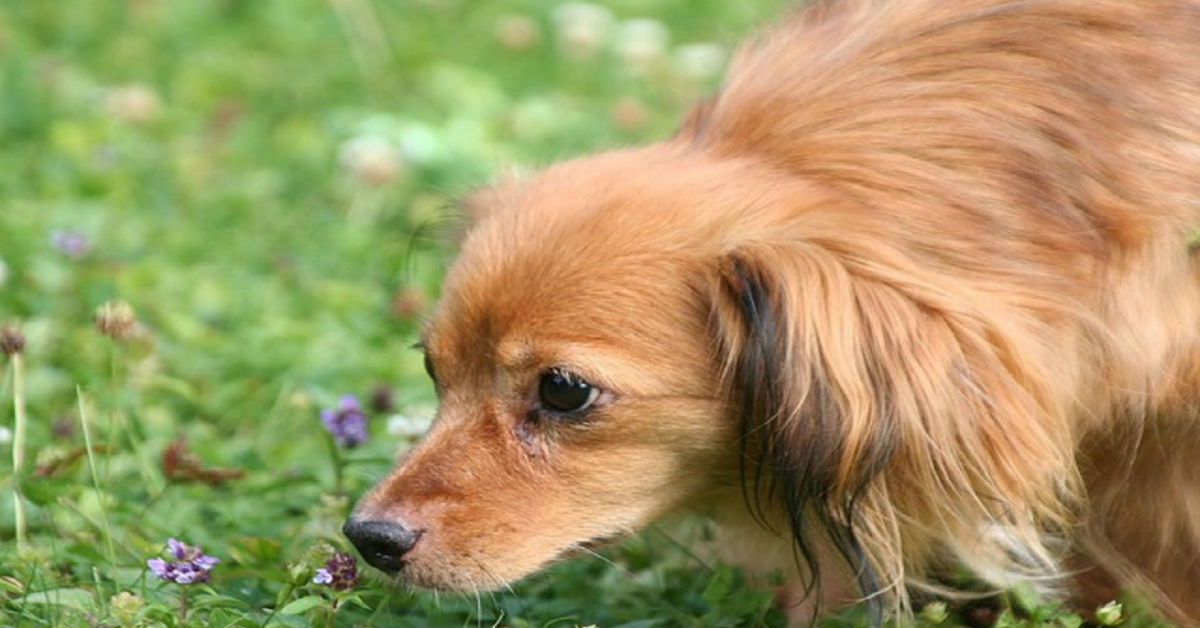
<point>297,606</point>
<point>1070,620</point>
<point>219,601</point>
<point>357,601</point>
<point>77,599</point>
<point>1025,596</point>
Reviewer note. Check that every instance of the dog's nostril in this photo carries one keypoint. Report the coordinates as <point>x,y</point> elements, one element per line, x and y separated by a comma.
<point>382,544</point>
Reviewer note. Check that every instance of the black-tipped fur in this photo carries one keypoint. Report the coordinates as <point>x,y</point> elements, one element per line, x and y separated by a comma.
<point>790,444</point>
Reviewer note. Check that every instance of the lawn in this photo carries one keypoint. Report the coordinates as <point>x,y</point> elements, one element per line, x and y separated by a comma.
<point>218,218</point>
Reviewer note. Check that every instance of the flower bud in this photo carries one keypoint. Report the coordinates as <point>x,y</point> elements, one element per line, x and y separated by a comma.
<point>1109,614</point>
<point>125,607</point>
<point>12,585</point>
<point>115,319</point>
<point>12,341</point>
<point>935,612</point>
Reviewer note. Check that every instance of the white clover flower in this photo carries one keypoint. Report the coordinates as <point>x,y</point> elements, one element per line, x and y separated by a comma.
<point>421,144</point>
<point>409,425</point>
<point>699,61</point>
<point>3,273</point>
<point>582,28</point>
<point>6,435</point>
<point>935,612</point>
<point>641,43</point>
<point>1110,614</point>
<point>517,32</point>
<point>371,159</point>
<point>135,103</point>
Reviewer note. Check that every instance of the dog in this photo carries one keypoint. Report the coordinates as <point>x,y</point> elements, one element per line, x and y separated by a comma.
<point>914,292</point>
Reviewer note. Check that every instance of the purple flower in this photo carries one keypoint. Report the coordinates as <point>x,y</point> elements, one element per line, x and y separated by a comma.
<point>339,573</point>
<point>73,244</point>
<point>191,563</point>
<point>347,424</point>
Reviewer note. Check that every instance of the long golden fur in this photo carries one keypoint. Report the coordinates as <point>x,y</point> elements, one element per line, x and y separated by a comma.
<point>914,289</point>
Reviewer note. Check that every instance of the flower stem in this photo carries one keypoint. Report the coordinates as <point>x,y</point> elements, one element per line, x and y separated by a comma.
<point>335,454</point>
<point>333,607</point>
<point>183,606</point>
<point>91,457</point>
<point>19,447</point>
<point>279,602</point>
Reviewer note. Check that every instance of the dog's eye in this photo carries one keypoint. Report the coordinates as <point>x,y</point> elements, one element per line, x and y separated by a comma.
<point>562,391</point>
<point>429,368</point>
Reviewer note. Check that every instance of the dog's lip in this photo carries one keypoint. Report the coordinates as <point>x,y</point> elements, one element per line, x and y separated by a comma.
<point>592,545</point>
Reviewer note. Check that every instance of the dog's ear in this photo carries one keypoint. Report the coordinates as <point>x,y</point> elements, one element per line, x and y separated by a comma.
<point>781,316</point>
<point>873,396</point>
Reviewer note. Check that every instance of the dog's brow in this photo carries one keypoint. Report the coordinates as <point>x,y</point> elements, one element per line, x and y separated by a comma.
<point>515,353</point>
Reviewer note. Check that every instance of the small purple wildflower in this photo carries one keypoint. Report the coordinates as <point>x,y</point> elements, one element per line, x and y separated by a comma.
<point>339,573</point>
<point>347,424</point>
<point>191,564</point>
<point>73,244</point>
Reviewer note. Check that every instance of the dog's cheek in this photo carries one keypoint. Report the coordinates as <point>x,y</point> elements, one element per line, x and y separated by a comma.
<point>651,458</point>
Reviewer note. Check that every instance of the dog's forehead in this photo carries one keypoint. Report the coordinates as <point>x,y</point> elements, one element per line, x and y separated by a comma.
<point>596,252</point>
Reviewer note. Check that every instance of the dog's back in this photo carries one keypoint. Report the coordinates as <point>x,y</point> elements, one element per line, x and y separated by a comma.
<point>1029,171</point>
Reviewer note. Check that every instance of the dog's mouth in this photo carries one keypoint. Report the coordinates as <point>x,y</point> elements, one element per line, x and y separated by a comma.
<point>591,546</point>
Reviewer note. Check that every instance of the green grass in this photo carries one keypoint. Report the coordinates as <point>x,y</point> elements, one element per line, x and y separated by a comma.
<point>269,279</point>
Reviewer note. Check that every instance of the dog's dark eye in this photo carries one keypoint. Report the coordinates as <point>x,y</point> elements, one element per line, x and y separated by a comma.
<point>562,391</point>
<point>429,368</point>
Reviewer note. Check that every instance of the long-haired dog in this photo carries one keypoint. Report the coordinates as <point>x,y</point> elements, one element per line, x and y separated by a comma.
<point>913,291</point>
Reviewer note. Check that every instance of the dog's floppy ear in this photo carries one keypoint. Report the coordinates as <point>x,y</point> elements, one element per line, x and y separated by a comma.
<point>873,397</point>
<point>797,444</point>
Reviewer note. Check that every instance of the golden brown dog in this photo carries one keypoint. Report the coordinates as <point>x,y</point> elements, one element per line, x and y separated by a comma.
<point>914,289</point>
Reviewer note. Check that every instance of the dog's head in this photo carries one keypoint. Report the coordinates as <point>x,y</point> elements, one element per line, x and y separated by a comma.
<point>639,331</point>
<point>580,377</point>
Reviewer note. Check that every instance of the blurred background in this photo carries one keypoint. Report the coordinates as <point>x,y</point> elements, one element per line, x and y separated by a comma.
<point>256,191</point>
<point>265,181</point>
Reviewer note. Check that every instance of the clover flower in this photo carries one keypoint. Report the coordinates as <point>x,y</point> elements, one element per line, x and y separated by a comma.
<point>191,564</point>
<point>3,273</point>
<point>73,244</point>
<point>371,159</point>
<point>582,29</point>
<point>517,32</point>
<point>339,573</point>
<point>125,607</point>
<point>382,399</point>
<point>935,612</point>
<point>698,61</point>
<point>134,103</point>
<point>12,341</point>
<point>411,424</point>
<point>115,319</point>
<point>641,43</point>
<point>1110,614</point>
<point>347,423</point>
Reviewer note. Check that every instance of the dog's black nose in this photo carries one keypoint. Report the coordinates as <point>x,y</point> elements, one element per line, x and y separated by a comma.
<point>383,544</point>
